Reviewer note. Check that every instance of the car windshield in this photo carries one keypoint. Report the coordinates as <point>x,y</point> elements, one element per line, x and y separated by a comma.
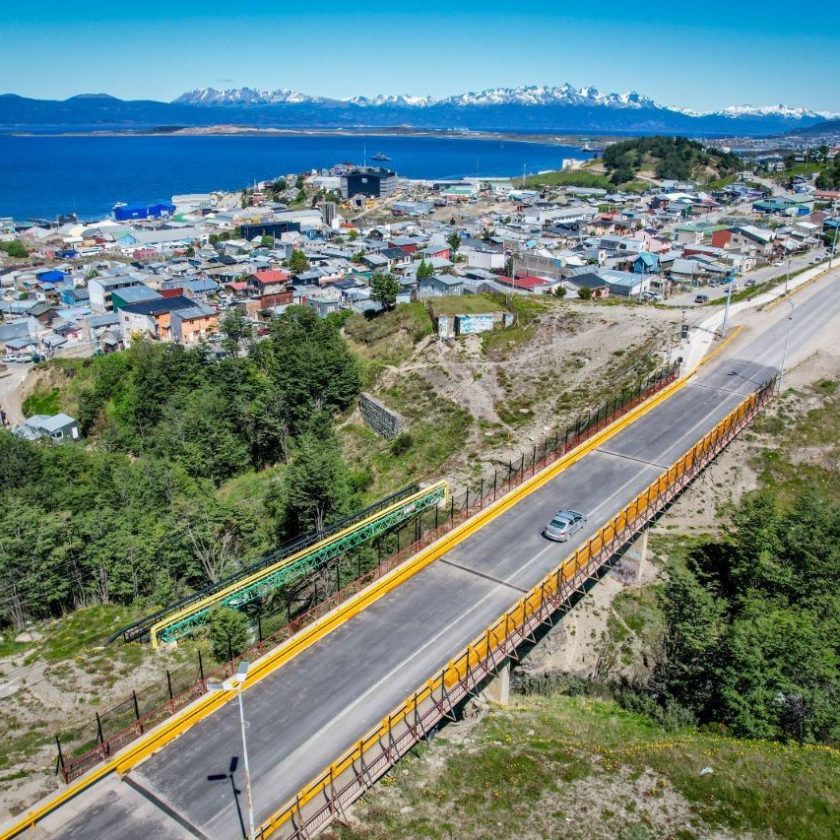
<point>560,522</point>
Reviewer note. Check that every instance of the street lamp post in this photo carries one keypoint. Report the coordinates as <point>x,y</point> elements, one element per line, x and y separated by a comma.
<point>726,311</point>
<point>787,342</point>
<point>834,243</point>
<point>787,279</point>
<point>235,683</point>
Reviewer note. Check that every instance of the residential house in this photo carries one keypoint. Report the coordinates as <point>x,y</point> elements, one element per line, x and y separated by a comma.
<point>440,285</point>
<point>749,239</point>
<point>132,294</point>
<point>591,280</point>
<point>102,288</point>
<point>194,324</point>
<point>151,318</point>
<point>482,255</point>
<point>272,287</point>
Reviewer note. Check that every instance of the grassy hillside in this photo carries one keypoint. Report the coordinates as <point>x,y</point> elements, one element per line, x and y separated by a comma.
<point>667,157</point>
<point>574,767</point>
<point>568,178</point>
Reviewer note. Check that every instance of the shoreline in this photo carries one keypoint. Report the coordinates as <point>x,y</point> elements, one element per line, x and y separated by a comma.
<point>222,130</point>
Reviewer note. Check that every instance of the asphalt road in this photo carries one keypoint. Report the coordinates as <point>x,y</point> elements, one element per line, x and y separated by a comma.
<point>314,707</point>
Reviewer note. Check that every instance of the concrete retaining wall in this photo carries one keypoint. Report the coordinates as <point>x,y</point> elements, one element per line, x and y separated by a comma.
<point>383,420</point>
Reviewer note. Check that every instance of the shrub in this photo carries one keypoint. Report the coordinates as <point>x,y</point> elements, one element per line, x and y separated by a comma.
<point>402,443</point>
<point>228,632</point>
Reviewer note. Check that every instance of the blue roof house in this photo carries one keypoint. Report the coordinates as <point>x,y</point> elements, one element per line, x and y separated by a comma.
<point>646,263</point>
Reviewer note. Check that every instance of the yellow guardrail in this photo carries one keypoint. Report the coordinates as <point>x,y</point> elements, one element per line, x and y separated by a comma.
<point>216,597</point>
<point>494,636</point>
<point>132,755</point>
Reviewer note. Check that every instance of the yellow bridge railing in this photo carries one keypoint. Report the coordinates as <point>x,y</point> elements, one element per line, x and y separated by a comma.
<point>323,799</point>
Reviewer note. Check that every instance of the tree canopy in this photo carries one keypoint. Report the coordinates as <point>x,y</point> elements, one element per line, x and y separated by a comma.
<point>754,624</point>
<point>384,289</point>
<point>676,158</point>
<point>135,514</point>
<point>298,262</point>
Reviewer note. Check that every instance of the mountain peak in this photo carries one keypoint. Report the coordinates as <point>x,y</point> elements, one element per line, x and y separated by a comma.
<point>243,96</point>
<point>564,94</point>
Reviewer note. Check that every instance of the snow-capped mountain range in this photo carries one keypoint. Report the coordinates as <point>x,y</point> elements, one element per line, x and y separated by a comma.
<point>531,108</point>
<point>565,94</point>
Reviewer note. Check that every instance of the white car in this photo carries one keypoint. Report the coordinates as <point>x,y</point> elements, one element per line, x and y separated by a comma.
<point>564,524</point>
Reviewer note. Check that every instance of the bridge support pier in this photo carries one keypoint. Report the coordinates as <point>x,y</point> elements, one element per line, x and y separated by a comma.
<point>498,689</point>
<point>638,551</point>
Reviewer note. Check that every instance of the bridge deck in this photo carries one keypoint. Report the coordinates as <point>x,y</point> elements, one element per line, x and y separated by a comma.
<point>314,707</point>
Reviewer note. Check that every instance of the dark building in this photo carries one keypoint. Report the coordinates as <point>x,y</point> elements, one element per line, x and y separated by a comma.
<point>328,212</point>
<point>275,229</point>
<point>369,181</point>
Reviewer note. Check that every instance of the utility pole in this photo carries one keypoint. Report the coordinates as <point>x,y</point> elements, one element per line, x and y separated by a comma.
<point>834,243</point>
<point>787,342</point>
<point>787,279</point>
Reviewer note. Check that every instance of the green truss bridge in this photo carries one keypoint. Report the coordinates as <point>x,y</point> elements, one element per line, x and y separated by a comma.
<point>287,564</point>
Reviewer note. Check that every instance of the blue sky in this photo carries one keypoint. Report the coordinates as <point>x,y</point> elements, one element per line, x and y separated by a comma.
<point>700,55</point>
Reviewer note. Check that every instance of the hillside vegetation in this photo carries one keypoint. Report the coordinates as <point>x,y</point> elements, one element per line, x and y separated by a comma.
<point>135,514</point>
<point>674,158</point>
<point>559,766</point>
<point>568,178</point>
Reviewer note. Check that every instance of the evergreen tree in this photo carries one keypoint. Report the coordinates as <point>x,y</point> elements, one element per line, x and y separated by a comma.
<point>384,289</point>
<point>316,487</point>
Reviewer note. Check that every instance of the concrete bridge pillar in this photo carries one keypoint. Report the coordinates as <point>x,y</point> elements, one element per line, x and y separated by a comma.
<point>498,689</point>
<point>638,551</point>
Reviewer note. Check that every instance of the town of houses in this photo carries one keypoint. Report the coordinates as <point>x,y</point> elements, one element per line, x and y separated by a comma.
<point>169,272</point>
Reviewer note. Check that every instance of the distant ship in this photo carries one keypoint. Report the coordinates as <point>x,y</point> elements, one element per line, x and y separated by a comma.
<point>380,156</point>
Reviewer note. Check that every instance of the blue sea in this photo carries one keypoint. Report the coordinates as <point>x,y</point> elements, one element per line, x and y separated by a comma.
<point>42,176</point>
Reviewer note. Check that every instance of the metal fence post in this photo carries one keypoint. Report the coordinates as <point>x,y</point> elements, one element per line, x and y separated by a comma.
<point>99,729</point>
<point>136,705</point>
<point>200,666</point>
<point>169,682</point>
<point>61,758</point>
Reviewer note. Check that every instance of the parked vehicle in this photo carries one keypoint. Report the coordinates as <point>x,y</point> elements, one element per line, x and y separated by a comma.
<point>564,524</point>
<point>701,299</point>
